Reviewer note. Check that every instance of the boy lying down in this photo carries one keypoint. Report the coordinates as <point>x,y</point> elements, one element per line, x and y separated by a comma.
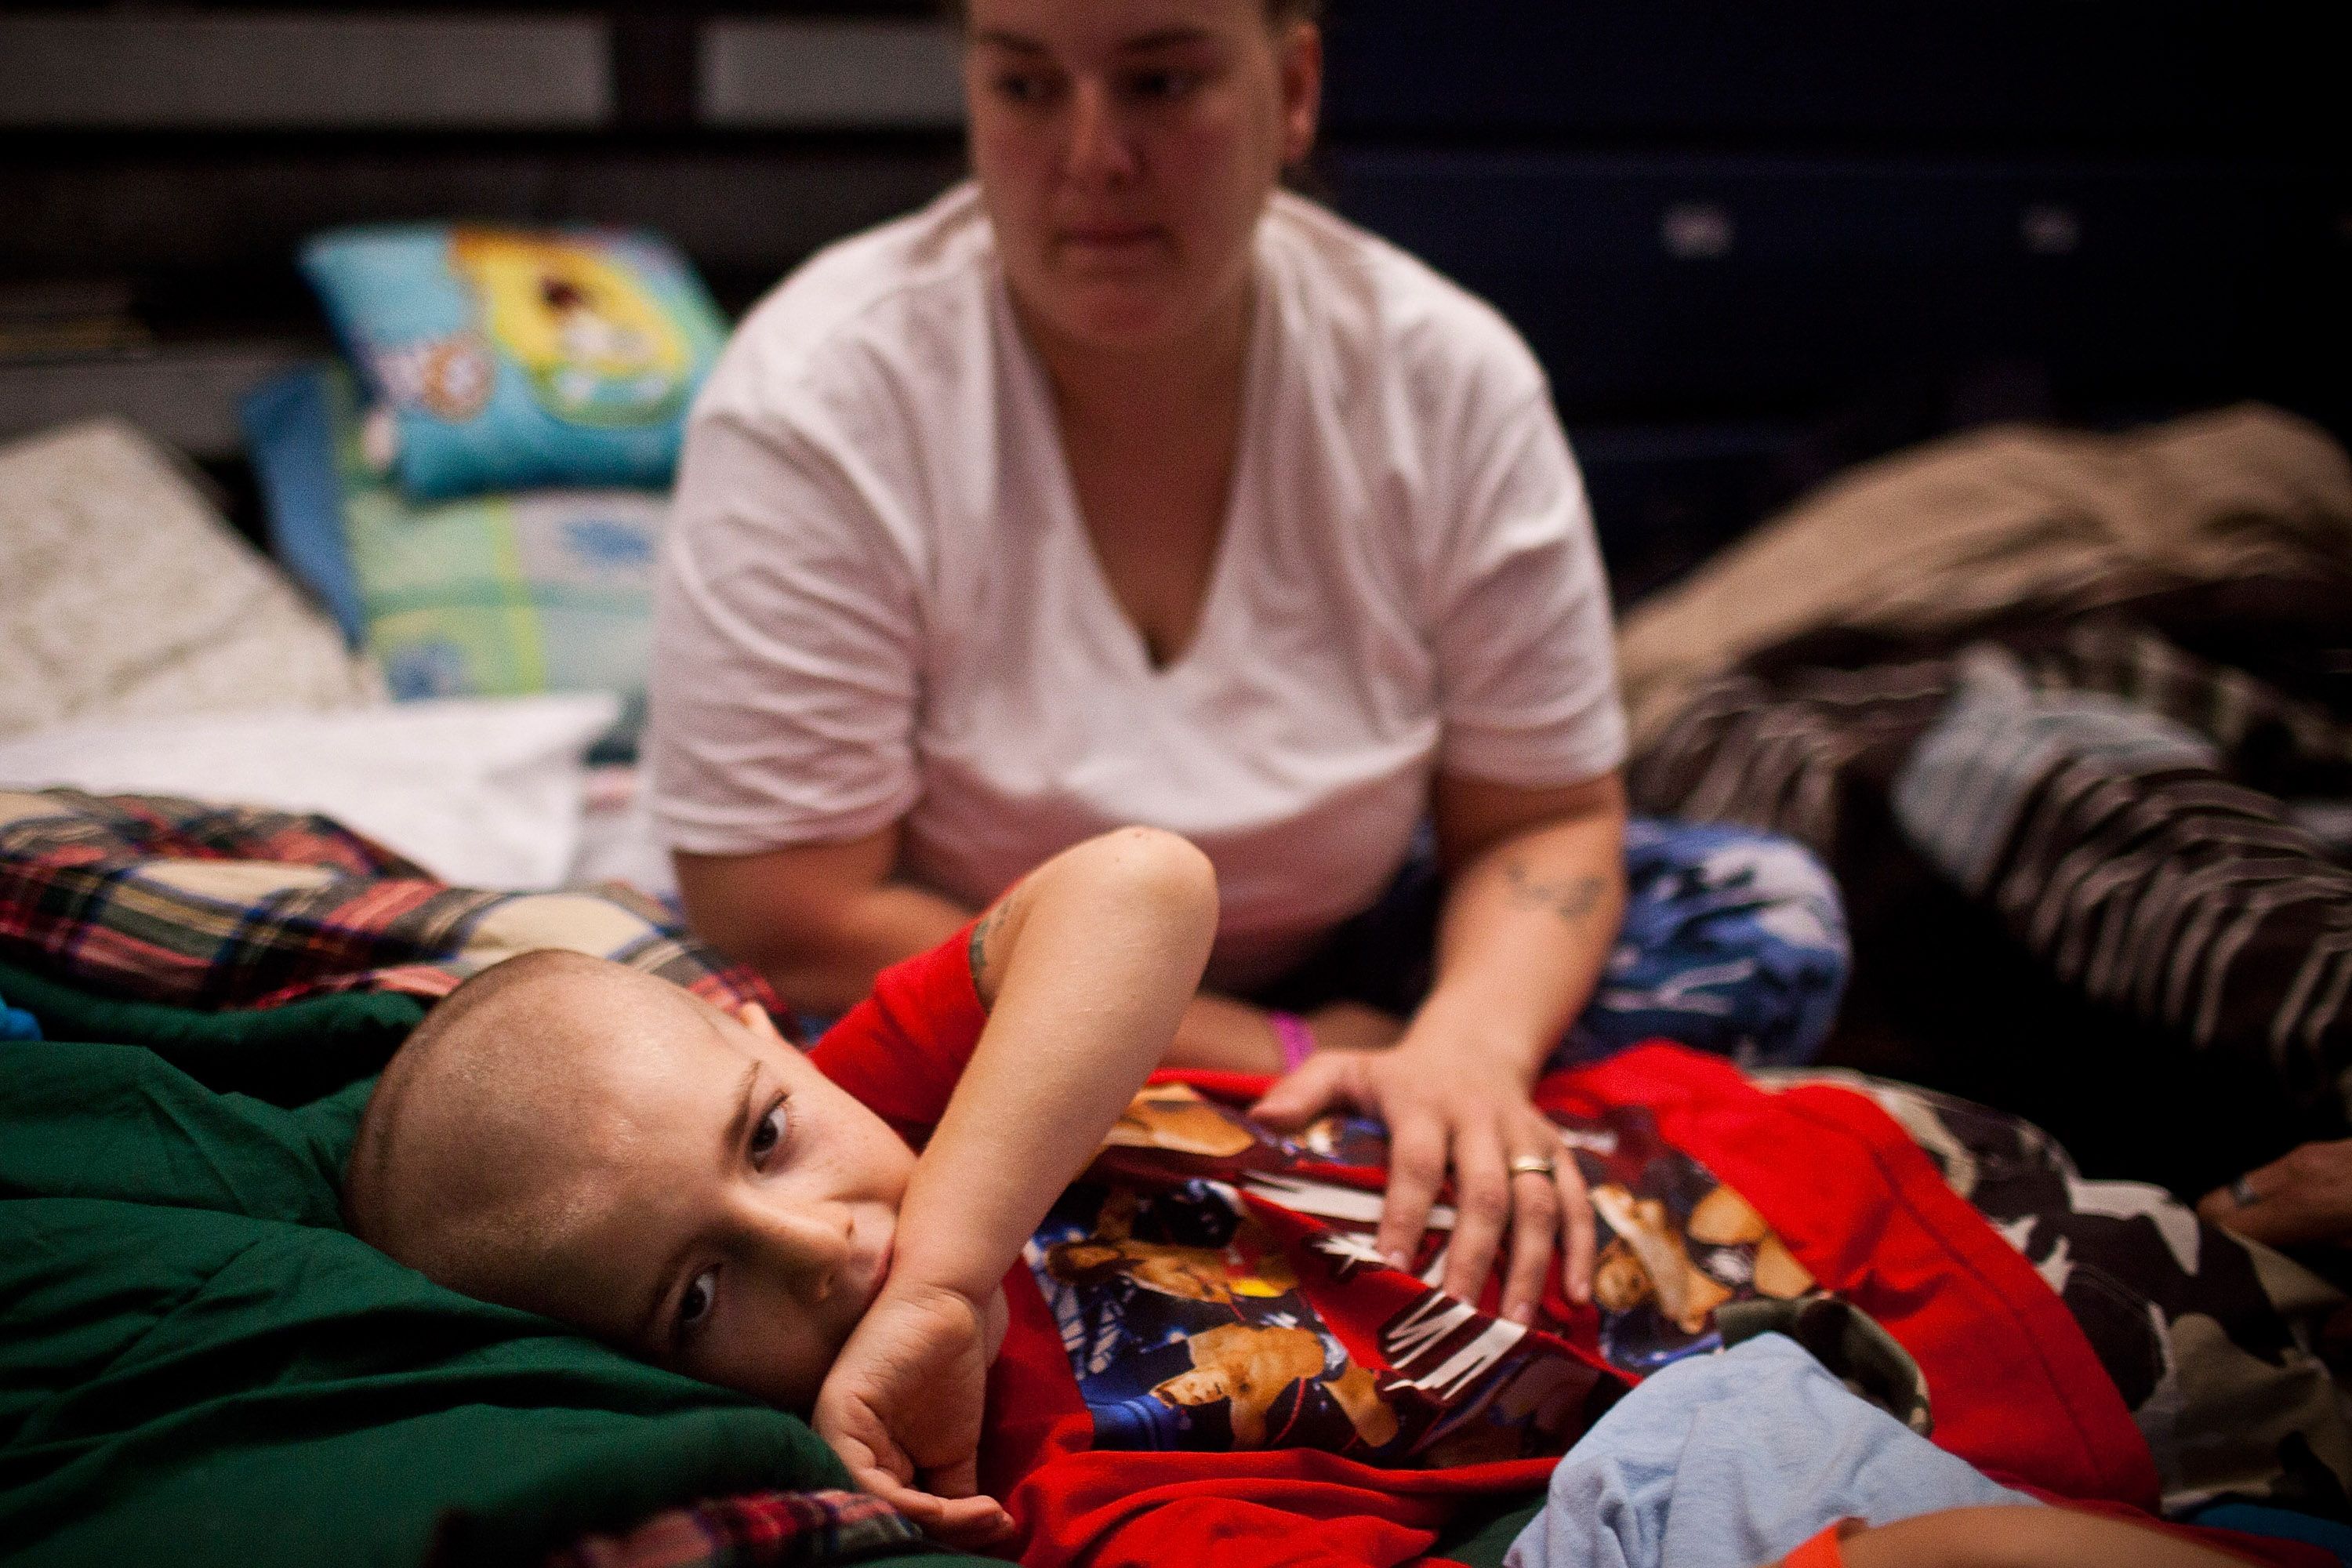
<point>569,1137</point>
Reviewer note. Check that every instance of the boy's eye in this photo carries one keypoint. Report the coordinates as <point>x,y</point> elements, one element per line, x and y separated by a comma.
<point>694,1306</point>
<point>769,1136</point>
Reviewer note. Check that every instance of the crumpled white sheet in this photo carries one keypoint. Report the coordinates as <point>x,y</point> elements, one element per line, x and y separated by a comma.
<point>616,834</point>
<point>482,793</point>
<point>124,595</point>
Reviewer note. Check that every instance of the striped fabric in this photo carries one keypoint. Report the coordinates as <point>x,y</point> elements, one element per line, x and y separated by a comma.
<point>2105,791</point>
<point>209,907</point>
<point>1780,755</point>
<point>2111,838</point>
<point>756,1529</point>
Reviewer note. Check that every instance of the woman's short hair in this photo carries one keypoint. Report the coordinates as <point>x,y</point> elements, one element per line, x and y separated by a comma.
<point>1276,11</point>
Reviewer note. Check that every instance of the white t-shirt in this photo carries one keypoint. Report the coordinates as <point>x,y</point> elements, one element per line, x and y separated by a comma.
<point>878,600</point>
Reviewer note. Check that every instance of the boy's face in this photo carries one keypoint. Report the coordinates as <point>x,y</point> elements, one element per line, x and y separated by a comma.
<point>720,1207</point>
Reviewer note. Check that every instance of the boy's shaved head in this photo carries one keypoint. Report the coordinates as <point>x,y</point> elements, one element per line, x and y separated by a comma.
<point>574,1138</point>
<point>449,1171</point>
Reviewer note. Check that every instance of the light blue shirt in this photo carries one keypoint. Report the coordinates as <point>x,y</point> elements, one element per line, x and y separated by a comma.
<point>1733,1461</point>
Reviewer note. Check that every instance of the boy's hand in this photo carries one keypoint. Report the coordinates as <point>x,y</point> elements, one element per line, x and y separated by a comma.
<point>902,1409</point>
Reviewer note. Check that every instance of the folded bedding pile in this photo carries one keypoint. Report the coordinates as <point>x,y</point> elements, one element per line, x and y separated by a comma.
<point>1996,523</point>
<point>130,598</point>
<point>476,489</point>
<point>463,514</point>
<point>2071,719</point>
<point>485,792</point>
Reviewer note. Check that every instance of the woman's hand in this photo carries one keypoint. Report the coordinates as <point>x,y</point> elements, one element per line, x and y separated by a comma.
<point>1526,927</point>
<point>1450,1106</point>
<point>2304,1197</point>
<point>902,1409</point>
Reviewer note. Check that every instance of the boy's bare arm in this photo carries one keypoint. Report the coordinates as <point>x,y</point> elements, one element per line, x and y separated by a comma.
<point>1087,966</point>
<point>2025,1537</point>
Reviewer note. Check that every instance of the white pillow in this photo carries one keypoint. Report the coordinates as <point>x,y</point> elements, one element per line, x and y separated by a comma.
<point>126,594</point>
<point>483,793</point>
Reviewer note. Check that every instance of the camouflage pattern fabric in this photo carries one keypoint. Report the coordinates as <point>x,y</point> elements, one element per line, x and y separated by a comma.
<point>2220,1346</point>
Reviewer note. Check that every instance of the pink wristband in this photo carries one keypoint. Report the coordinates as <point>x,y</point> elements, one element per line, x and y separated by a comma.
<point>1297,1040</point>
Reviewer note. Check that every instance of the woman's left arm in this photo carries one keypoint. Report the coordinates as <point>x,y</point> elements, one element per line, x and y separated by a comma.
<point>1536,892</point>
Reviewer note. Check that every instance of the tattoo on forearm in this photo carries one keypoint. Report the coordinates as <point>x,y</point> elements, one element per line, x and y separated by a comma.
<point>1570,900</point>
<point>981,929</point>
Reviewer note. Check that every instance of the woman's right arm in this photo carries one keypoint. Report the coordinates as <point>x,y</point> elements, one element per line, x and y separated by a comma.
<point>786,664</point>
<point>820,921</point>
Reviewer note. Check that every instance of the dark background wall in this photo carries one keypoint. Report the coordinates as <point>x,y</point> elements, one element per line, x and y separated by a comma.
<point>1753,240</point>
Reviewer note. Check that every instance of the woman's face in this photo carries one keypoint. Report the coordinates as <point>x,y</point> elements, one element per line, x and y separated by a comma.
<point>1125,148</point>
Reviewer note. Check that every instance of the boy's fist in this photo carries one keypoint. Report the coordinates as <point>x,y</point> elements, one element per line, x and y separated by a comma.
<point>902,1409</point>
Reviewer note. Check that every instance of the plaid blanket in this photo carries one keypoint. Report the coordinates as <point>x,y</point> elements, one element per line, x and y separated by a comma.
<point>2113,791</point>
<point>757,1530</point>
<point>222,906</point>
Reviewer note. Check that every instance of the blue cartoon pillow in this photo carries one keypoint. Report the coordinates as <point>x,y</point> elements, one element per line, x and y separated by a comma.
<point>510,358</point>
<point>495,595</point>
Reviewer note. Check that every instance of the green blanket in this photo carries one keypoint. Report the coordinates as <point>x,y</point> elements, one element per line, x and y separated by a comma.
<point>200,1366</point>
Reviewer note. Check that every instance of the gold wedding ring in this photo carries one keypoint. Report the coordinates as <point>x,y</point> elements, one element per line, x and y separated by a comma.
<point>1532,1165</point>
